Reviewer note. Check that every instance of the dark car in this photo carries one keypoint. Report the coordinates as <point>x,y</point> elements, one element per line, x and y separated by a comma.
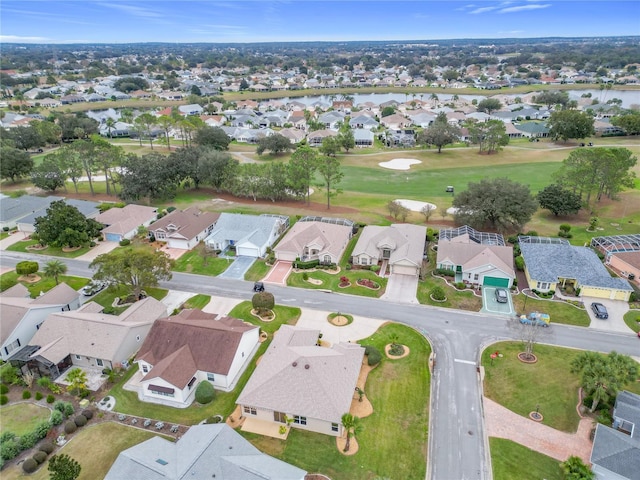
<point>258,287</point>
<point>501,295</point>
<point>599,310</point>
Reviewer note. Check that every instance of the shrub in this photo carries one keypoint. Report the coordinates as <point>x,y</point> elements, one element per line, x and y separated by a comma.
<point>70,427</point>
<point>262,301</point>
<point>29,465</point>
<point>87,413</point>
<point>373,355</point>
<point>42,429</point>
<point>80,420</point>
<point>6,436</point>
<point>9,449</point>
<point>205,393</point>
<point>437,293</point>
<point>124,242</point>
<point>445,272</point>
<point>26,394</point>
<point>44,382</point>
<point>519,263</point>
<point>170,209</point>
<point>92,243</point>
<point>56,417</point>
<point>461,285</point>
<point>374,268</point>
<point>3,389</point>
<point>4,399</point>
<point>27,441</point>
<point>47,447</point>
<point>40,456</point>
<point>9,374</point>
<point>305,265</point>
<point>27,267</point>
<point>50,398</point>
<point>39,396</point>
<point>305,276</point>
<point>65,407</point>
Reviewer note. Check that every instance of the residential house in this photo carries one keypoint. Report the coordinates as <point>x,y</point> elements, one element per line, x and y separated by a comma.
<point>332,119</point>
<point>533,129</point>
<point>363,137</point>
<point>552,263</point>
<point>248,235</point>
<point>297,379</point>
<point>399,246</point>
<point>205,451</point>
<point>628,263</point>
<point>183,229</point>
<point>615,454</point>
<point>192,347</point>
<point>314,240</point>
<point>89,338</point>
<point>395,121</point>
<point>294,135</point>
<point>189,110</point>
<point>363,122</point>
<point>22,212</point>
<point>477,258</point>
<point>123,223</point>
<point>316,138</point>
<point>22,315</point>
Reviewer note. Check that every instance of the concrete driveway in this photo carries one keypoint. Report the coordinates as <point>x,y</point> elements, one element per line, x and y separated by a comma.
<point>490,305</point>
<point>616,310</point>
<point>401,288</point>
<point>99,249</point>
<point>238,268</point>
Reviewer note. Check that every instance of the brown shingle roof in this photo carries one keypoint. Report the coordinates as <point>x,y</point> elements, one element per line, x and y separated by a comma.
<point>192,340</point>
<point>185,223</point>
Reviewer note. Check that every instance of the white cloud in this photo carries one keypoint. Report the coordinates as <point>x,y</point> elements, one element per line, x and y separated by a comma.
<point>482,10</point>
<point>21,39</point>
<point>133,10</point>
<point>522,8</point>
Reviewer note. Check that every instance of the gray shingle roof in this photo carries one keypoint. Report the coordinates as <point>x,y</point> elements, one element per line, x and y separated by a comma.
<point>298,377</point>
<point>548,262</point>
<point>616,451</point>
<point>240,228</point>
<point>205,451</point>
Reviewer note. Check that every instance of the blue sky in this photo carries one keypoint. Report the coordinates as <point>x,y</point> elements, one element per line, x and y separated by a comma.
<point>123,21</point>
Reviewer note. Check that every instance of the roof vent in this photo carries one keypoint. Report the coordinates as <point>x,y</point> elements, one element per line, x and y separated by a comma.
<point>306,367</point>
<point>295,364</point>
<point>161,461</point>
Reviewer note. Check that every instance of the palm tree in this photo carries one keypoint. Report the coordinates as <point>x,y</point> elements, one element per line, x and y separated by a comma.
<point>434,99</point>
<point>77,379</point>
<point>54,268</point>
<point>110,123</point>
<point>352,426</point>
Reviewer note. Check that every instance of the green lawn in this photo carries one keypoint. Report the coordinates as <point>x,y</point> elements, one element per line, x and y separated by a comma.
<point>511,460</point>
<point>198,301</point>
<point>22,245</point>
<point>330,281</point>
<point>257,271</point>
<point>94,447</point>
<point>21,418</point>
<point>632,319</point>
<point>194,262</point>
<point>9,279</point>
<point>393,441</point>
<point>462,299</point>
<point>560,312</point>
<point>224,402</point>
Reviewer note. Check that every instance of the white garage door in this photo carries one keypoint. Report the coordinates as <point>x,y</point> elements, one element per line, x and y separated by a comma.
<point>404,269</point>
<point>248,251</point>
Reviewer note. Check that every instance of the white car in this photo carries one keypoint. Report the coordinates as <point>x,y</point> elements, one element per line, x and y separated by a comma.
<point>93,287</point>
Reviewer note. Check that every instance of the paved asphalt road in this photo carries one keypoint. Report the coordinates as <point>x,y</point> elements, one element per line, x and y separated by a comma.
<point>457,443</point>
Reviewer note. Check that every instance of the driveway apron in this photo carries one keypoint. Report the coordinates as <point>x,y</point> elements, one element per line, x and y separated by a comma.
<point>401,288</point>
<point>238,268</point>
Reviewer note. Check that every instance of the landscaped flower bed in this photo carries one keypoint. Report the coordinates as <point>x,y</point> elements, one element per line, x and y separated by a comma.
<point>365,282</point>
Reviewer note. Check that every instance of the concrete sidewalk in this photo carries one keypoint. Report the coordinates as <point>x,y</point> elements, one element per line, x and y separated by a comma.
<point>11,239</point>
<point>221,305</point>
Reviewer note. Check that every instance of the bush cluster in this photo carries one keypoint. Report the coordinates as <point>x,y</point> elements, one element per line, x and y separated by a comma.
<point>519,261</point>
<point>124,242</point>
<point>26,394</point>
<point>39,456</point>
<point>437,293</point>
<point>39,396</point>
<point>4,399</point>
<point>29,465</point>
<point>56,417</point>
<point>80,420</point>
<point>373,355</point>
<point>87,413</point>
<point>3,389</point>
<point>50,398</point>
<point>70,427</point>
<point>305,265</point>
<point>445,272</point>
<point>11,446</point>
<point>65,407</point>
<point>47,447</point>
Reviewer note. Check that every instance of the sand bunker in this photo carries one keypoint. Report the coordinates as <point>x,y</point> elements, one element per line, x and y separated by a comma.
<point>399,163</point>
<point>414,205</point>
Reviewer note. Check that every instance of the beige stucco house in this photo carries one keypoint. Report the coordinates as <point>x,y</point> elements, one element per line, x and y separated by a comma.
<point>314,240</point>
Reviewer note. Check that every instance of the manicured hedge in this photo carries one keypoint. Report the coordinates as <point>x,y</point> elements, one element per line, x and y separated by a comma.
<point>205,393</point>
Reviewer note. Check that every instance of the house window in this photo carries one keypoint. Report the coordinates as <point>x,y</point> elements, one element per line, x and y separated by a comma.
<point>77,357</point>
<point>39,325</point>
<point>386,253</point>
<point>364,261</point>
<point>280,417</point>
<point>299,420</point>
<point>334,427</point>
<point>99,362</point>
<point>249,410</point>
<point>543,285</point>
<point>190,385</point>
<point>145,369</point>
<point>327,259</point>
<point>12,346</point>
<point>164,391</point>
<point>210,377</point>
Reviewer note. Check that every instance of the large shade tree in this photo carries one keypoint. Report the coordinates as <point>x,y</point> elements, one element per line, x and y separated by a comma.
<point>566,124</point>
<point>440,133</point>
<point>489,135</point>
<point>65,226</point>
<point>559,200</point>
<point>497,203</point>
<point>137,268</point>
<point>15,164</point>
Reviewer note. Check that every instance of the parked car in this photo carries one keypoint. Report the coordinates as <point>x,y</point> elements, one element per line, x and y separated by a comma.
<point>258,287</point>
<point>599,310</point>
<point>536,318</point>
<point>502,296</point>
<point>93,287</point>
